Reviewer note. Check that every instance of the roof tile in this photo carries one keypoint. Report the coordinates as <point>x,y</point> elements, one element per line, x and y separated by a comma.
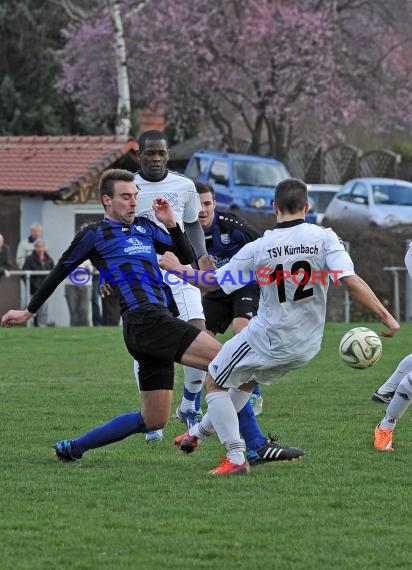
<point>48,164</point>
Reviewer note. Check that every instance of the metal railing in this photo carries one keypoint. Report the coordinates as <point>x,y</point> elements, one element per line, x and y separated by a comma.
<point>26,275</point>
<point>396,296</point>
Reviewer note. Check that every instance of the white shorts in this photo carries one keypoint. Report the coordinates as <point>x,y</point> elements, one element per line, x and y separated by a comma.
<point>237,362</point>
<point>188,298</point>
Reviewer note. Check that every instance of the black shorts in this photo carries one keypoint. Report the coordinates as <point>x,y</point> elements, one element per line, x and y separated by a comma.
<point>220,309</point>
<point>156,339</point>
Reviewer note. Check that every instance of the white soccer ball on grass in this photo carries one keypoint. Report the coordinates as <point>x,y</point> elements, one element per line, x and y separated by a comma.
<point>360,347</point>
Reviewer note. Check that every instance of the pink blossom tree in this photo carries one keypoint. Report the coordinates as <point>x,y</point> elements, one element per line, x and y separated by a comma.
<point>268,71</point>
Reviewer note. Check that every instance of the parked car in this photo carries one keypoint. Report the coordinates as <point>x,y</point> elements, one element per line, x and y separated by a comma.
<point>240,180</point>
<point>382,202</point>
<point>320,196</point>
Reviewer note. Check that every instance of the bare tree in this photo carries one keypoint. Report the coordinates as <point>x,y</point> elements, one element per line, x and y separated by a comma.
<point>123,122</point>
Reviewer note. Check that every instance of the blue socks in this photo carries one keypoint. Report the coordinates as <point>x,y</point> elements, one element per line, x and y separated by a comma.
<point>198,400</point>
<point>116,429</point>
<point>249,428</point>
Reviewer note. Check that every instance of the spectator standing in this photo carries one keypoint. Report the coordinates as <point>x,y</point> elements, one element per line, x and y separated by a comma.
<point>78,293</point>
<point>26,246</point>
<point>39,260</point>
<point>24,249</point>
<point>5,263</point>
<point>96,301</point>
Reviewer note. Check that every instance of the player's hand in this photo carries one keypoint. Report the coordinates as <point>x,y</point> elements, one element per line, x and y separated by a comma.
<point>105,289</point>
<point>164,212</point>
<point>392,325</point>
<point>169,262</point>
<point>207,263</point>
<point>13,317</point>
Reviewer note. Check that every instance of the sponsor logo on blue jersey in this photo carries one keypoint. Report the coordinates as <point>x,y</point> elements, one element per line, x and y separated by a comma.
<point>137,246</point>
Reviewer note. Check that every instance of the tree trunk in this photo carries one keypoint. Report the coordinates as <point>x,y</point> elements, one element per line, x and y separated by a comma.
<point>123,122</point>
<point>256,144</point>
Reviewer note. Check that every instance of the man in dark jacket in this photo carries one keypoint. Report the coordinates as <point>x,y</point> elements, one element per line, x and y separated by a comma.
<point>39,260</point>
<point>5,263</point>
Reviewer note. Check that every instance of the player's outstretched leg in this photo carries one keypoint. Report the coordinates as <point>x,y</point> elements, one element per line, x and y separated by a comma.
<point>397,407</point>
<point>272,450</point>
<point>188,411</point>
<point>384,393</point>
<point>223,417</point>
<point>114,430</point>
<point>259,448</point>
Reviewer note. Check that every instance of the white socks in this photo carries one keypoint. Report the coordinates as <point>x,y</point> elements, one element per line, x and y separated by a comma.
<point>205,427</point>
<point>223,416</point>
<point>403,368</point>
<point>193,382</point>
<point>399,404</point>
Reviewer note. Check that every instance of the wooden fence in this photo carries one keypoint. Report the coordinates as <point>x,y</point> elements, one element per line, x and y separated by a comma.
<point>341,162</point>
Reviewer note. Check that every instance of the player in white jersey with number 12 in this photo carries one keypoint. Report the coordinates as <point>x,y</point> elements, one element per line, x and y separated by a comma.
<point>292,264</point>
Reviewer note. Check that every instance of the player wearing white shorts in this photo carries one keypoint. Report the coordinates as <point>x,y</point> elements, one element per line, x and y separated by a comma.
<point>293,264</point>
<point>398,391</point>
<point>154,180</point>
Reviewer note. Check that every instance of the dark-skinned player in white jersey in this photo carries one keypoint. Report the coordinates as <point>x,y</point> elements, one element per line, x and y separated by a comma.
<point>154,180</point>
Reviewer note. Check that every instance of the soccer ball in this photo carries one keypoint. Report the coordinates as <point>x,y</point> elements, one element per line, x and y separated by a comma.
<point>360,347</point>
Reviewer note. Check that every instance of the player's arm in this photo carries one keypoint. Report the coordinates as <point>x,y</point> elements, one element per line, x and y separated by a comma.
<point>78,252</point>
<point>175,239</point>
<point>196,237</point>
<point>54,278</point>
<point>201,279</point>
<point>191,224</point>
<point>361,292</point>
<point>235,274</point>
<point>341,267</point>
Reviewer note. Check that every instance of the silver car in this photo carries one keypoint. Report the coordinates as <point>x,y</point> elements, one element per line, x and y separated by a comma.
<point>319,197</point>
<point>382,202</point>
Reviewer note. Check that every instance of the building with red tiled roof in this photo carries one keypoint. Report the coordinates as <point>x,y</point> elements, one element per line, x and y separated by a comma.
<point>53,181</point>
<point>59,166</point>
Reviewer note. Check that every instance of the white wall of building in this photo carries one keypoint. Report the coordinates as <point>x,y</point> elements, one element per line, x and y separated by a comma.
<point>58,221</point>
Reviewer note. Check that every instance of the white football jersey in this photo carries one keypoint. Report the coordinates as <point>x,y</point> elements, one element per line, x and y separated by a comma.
<point>177,189</point>
<point>293,264</point>
<point>181,193</point>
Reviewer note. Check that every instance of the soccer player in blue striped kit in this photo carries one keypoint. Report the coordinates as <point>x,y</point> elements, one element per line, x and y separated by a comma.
<point>124,249</point>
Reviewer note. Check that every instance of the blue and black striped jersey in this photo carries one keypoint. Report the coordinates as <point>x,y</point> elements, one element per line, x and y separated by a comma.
<point>226,236</point>
<point>125,256</point>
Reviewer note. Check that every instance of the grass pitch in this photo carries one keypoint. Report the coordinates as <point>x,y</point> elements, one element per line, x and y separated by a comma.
<point>146,506</point>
